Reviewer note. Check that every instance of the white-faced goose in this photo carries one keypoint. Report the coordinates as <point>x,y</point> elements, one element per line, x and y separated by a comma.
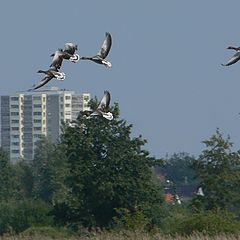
<point>103,106</point>
<point>71,48</point>
<point>100,58</point>
<point>235,58</point>
<point>49,74</point>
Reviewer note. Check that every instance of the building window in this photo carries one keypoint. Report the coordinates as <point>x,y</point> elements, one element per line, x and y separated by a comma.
<point>67,97</point>
<point>15,121</point>
<point>15,128</point>
<point>15,151</point>
<point>15,143</point>
<point>14,98</point>
<point>67,105</point>
<point>14,113</point>
<point>37,106</point>
<point>14,106</point>
<point>37,113</point>
<point>15,136</point>
<point>37,120</point>
<point>37,98</point>
<point>37,128</point>
<point>37,135</point>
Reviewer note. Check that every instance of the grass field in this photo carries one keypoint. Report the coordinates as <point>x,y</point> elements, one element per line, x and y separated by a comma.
<point>120,236</point>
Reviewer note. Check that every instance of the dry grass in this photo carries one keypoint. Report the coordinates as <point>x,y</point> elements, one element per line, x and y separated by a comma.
<point>123,236</point>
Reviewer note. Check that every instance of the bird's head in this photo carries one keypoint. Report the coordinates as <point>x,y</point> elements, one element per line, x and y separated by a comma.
<point>107,64</point>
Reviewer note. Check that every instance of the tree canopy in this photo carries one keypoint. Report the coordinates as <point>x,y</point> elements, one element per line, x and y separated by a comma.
<point>108,170</point>
<point>218,168</point>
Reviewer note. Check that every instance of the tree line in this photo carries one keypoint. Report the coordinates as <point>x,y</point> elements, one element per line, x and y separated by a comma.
<point>98,176</point>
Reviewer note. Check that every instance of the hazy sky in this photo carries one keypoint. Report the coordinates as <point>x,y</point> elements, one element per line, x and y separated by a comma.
<point>166,57</point>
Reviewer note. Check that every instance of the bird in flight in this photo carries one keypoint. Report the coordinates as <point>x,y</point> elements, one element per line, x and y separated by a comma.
<point>235,58</point>
<point>71,48</point>
<point>103,106</point>
<point>100,58</point>
<point>49,74</point>
<point>68,53</point>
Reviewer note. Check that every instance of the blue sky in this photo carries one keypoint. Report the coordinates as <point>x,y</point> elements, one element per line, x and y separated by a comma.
<point>166,76</point>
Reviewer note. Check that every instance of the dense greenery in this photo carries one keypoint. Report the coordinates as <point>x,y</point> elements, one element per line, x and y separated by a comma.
<point>108,171</point>
<point>99,177</point>
<point>218,168</point>
<point>178,168</point>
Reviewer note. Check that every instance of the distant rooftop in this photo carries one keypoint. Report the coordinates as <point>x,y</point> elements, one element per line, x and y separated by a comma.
<point>49,90</point>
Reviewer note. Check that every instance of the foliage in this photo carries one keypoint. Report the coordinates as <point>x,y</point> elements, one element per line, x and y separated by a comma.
<point>6,180</point>
<point>219,173</point>
<point>23,180</point>
<point>48,172</point>
<point>130,221</point>
<point>173,219</point>
<point>211,223</point>
<point>178,168</point>
<point>16,216</point>
<point>108,170</point>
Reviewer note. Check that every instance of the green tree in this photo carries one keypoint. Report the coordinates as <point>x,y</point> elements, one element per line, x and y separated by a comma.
<point>108,171</point>
<point>6,180</point>
<point>48,172</point>
<point>23,178</point>
<point>218,168</point>
<point>178,168</point>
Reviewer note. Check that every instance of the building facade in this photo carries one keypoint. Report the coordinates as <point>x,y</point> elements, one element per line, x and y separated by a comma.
<point>26,116</point>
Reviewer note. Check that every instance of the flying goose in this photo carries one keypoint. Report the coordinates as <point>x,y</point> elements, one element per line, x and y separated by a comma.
<point>235,58</point>
<point>103,106</point>
<point>58,57</point>
<point>70,48</point>
<point>100,58</point>
<point>49,74</point>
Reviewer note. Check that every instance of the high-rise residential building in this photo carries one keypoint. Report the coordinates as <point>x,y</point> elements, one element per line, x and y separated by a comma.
<point>26,116</point>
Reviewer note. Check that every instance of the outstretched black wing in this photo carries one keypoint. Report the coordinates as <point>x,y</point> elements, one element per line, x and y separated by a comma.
<point>105,101</point>
<point>57,59</point>
<point>44,81</point>
<point>106,46</point>
<point>235,58</point>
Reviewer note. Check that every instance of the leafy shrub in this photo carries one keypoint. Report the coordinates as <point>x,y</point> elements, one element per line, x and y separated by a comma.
<point>172,222</point>
<point>211,223</point>
<point>130,221</point>
<point>16,216</point>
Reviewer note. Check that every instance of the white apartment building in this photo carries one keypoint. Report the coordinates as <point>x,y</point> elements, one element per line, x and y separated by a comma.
<point>26,116</point>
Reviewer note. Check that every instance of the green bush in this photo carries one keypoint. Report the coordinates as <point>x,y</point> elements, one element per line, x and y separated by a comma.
<point>130,221</point>
<point>16,216</point>
<point>172,222</point>
<point>212,223</point>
